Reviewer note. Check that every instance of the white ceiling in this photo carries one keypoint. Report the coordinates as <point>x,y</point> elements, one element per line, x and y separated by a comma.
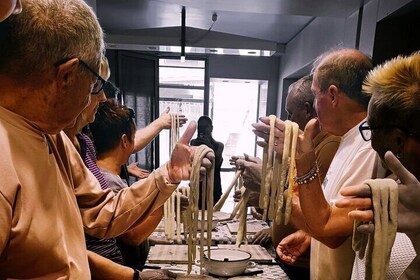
<point>241,24</point>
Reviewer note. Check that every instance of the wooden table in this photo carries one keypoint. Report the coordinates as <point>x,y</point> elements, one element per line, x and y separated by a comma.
<point>174,256</point>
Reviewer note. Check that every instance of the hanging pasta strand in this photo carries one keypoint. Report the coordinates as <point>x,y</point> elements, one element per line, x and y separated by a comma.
<point>170,223</point>
<point>225,195</point>
<point>268,169</point>
<point>277,175</point>
<point>283,172</point>
<point>241,235</point>
<point>292,172</point>
<point>192,210</point>
<point>263,177</point>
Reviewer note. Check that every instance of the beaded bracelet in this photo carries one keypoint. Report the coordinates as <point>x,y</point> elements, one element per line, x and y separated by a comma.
<point>308,177</point>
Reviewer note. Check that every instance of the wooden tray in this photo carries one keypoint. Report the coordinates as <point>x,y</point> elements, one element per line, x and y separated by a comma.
<point>177,254</point>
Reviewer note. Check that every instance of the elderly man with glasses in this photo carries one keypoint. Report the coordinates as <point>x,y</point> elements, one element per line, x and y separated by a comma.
<point>48,198</point>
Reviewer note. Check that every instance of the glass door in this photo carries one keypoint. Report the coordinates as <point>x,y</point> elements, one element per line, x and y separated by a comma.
<point>234,105</point>
<point>181,88</point>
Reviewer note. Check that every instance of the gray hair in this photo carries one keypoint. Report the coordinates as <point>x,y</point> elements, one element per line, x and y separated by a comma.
<point>346,69</point>
<point>301,89</point>
<point>48,32</point>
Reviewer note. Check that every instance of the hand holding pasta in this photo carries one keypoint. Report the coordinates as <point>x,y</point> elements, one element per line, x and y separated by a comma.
<point>180,164</point>
<point>360,197</point>
<point>165,119</point>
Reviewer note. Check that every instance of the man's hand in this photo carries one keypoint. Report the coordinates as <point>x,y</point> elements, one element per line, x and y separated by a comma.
<point>360,197</point>
<point>408,195</point>
<point>253,200</point>
<point>159,274</point>
<point>180,164</point>
<point>165,119</point>
<point>293,246</point>
<point>263,237</point>
<point>251,174</point>
<point>136,171</point>
<point>305,138</point>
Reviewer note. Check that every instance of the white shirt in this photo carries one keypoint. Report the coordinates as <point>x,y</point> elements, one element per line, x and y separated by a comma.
<point>354,162</point>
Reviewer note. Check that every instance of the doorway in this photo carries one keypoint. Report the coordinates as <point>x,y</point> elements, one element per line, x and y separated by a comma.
<point>234,104</point>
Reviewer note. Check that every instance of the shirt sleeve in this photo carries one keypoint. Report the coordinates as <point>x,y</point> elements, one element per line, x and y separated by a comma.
<point>105,214</point>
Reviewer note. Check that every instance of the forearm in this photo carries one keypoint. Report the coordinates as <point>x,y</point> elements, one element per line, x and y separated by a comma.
<point>140,233</point>
<point>104,269</point>
<point>298,221</point>
<point>105,215</point>
<point>321,219</point>
<point>145,135</point>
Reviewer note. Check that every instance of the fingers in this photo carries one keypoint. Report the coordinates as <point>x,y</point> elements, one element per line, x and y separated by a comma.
<point>398,169</point>
<point>306,139</point>
<point>262,144</point>
<point>284,255</point>
<point>206,162</point>
<point>362,215</point>
<point>354,202</point>
<point>260,134</point>
<point>366,228</point>
<point>359,190</point>
<point>252,159</point>
<point>312,128</point>
<point>182,120</point>
<point>188,134</point>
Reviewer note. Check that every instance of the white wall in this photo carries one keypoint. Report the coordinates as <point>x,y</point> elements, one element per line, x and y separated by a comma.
<point>325,33</point>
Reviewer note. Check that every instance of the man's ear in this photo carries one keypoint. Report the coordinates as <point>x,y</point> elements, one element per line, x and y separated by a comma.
<point>400,139</point>
<point>309,110</point>
<point>66,75</point>
<point>334,95</point>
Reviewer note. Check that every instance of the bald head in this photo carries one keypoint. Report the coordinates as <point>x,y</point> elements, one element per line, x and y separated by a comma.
<point>346,69</point>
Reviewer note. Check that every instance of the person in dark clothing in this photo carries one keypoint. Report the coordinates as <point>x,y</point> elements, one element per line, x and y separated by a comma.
<point>205,129</point>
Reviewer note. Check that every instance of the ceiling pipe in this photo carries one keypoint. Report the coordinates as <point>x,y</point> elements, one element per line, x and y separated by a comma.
<point>183,34</point>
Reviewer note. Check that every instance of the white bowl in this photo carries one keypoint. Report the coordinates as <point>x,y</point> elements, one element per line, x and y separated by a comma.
<point>227,262</point>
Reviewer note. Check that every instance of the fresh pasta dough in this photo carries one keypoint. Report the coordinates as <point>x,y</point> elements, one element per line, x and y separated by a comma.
<point>278,174</point>
<point>377,246</point>
<point>225,195</point>
<point>171,225</point>
<point>192,210</point>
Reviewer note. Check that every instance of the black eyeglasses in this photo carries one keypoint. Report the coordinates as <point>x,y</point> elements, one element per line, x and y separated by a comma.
<point>111,91</point>
<point>100,82</point>
<point>366,131</point>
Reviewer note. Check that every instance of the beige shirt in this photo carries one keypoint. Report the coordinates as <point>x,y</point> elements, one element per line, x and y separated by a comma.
<point>48,199</point>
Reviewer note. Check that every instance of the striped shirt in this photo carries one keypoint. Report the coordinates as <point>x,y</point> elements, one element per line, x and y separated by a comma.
<point>104,247</point>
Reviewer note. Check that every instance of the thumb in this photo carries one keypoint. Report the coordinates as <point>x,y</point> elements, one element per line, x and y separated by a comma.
<point>398,169</point>
<point>312,128</point>
<point>311,131</point>
<point>167,110</point>
<point>188,134</point>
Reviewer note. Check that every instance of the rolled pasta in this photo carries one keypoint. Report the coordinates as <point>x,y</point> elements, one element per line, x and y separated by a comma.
<point>379,244</point>
<point>192,210</point>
